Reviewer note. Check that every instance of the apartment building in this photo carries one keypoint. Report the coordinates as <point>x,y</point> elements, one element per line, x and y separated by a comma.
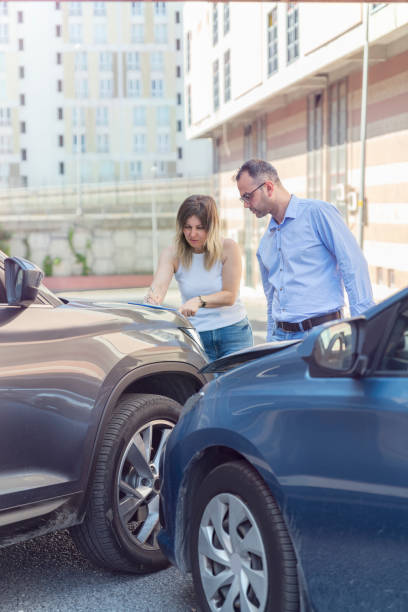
<point>283,82</point>
<point>92,92</point>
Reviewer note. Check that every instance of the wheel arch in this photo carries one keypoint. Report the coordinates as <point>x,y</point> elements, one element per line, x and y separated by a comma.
<point>203,463</point>
<point>174,380</point>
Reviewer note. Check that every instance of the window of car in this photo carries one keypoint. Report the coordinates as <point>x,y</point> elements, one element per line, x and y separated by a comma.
<point>395,356</point>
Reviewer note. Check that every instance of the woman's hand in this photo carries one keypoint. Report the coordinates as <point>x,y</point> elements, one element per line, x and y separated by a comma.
<point>189,308</point>
<point>152,298</point>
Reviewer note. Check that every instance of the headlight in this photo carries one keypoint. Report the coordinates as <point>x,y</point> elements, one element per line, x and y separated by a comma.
<point>191,402</point>
<point>194,335</point>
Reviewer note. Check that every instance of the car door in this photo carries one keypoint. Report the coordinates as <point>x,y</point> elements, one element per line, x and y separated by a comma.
<point>350,504</point>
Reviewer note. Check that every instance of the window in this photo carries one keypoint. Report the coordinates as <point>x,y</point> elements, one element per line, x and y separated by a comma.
<point>163,142</point>
<point>106,170</point>
<point>133,60</point>
<point>59,58</point>
<point>163,116</point>
<point>5,116</point>
<point>178,71</point>
<point>102,115</point>
<point>179,153</point>
<point>248,141</point>
<point>57,5</point>
<point>215,23</point>
<point>216,155</point>
<point>4,9</point>
<point>78,141</point>
<point>135,169</point>
<point>137,8</point>
<point>395,357</point>
<point>179,99</point>
<point>179,125</point>
<point>177,16</point>
<point>23,128</point>
<point>134,88</point>
<point>57,31</point>
<point>178,44</point>
<point>4,33</point>
<point>157,88</point>
<point>78,116</point>
<point>188,51</point>
<point>100,33</point>
<point>5,143</point>
<point>75,8</point>
<point>106,61</point>
<point>24,181</point>
<point>21,72</point>
<point>260,133</point>
<point>226,17</point>
<point>390,277</point>
<point>157,61</point>
<point>20,17</point>
<point>292,33</point>
<point>137,33</point>
<point>60,140</point>
<point>337,140</point>
<point>139,115</point>
<point>216,85</point>
<point>61,168</point>
<point>160,32</point>
<point>60,113</point>
<point>20,42</point>
<point>75,32</point>
<point>24,154</point>
<point>81,61</point>
<point>314,146</point>
<point>139,142</point>
<point>99,9</point>
<point>59,85</point>
<point>272,41</point>
<point>227,76</point>
<point>105,88</point>
<point>189,111</point>
<point>379,279</point>
<point>81,88</point>
<point>159,8</point>
<point>22,100</point>
<point>102,143</point>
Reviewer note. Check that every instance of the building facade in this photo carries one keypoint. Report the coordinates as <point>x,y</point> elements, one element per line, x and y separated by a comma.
<point>283,82</point>
<point>92,92</point>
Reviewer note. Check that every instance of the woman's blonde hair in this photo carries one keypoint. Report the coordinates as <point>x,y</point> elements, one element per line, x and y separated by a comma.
<point>205,208</point>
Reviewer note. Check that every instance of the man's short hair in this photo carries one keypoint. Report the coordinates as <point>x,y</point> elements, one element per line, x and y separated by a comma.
<point>258,168</point>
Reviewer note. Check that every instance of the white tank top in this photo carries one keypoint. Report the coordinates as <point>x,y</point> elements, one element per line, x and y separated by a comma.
<point>195,281</point>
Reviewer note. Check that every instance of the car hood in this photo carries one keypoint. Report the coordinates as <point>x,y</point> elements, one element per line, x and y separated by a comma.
<point>240,357</point>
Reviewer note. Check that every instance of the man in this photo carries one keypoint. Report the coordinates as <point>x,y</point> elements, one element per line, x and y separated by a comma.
<point>306,255</point>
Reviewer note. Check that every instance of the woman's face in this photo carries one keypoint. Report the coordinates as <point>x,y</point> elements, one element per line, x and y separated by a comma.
<point>195,234</point>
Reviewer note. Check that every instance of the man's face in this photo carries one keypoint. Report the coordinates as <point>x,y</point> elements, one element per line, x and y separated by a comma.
<point>254,194</point>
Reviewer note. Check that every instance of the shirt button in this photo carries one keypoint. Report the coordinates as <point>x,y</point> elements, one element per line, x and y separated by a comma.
<point>281,288</point>
<point>281,270</point>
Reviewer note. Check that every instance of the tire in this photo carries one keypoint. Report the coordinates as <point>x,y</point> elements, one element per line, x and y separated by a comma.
<point>232,570</point>
<point>121,522</point>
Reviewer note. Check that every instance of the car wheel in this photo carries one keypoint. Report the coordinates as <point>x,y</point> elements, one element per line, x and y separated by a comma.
<point>121,523</point>
<point>241,555</point>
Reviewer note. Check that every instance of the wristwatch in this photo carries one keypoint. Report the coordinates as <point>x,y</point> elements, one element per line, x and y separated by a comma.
<point>203,303</point>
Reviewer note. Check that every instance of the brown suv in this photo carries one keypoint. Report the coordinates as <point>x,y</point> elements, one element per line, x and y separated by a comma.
<point>89,393</point>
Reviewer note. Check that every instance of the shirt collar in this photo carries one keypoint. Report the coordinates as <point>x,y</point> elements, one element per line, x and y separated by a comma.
<point>290,213</point>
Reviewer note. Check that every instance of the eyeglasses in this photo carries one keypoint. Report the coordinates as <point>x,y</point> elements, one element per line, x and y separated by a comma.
<point>246,197</point>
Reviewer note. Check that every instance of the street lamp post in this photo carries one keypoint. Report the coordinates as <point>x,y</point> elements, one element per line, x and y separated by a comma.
<point>154,221</point>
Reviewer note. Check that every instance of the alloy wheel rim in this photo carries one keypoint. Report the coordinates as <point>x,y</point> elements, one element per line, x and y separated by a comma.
<point>232,557</point>
<point>138,483</point>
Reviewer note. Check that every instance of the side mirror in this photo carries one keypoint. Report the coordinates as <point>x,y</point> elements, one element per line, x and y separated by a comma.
<point>23,279</point>
<point>335,350</point>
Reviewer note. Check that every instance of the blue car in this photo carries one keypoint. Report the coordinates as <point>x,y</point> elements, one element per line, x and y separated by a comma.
<point>285,482</point>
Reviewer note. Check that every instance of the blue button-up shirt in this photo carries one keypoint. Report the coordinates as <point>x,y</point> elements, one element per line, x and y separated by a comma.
<point>307,260</point>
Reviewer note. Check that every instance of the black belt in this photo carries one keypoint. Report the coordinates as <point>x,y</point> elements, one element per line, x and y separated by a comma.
<point>308,323</point>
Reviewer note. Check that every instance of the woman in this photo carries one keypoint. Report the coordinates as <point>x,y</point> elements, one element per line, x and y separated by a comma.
<point>208,272</point>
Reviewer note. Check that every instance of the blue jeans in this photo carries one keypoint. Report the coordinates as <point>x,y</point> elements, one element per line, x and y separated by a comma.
<point>279,335</point>
<point>225,340</point>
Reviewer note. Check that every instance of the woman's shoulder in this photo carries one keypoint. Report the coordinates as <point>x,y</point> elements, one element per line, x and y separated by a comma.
<point>229,247</point>
<point>169,254</point>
